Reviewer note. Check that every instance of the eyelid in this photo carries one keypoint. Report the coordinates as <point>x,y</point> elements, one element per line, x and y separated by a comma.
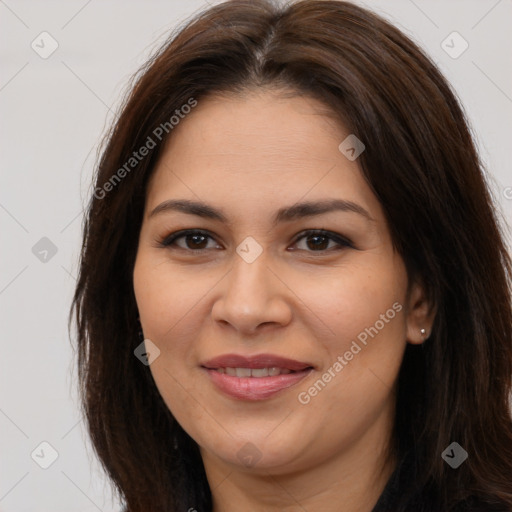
<point>343,242</point>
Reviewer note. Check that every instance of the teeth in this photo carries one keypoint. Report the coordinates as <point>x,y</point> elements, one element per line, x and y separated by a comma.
<point>254,372</point>
<point>243,372</point>
<point>259,372</point>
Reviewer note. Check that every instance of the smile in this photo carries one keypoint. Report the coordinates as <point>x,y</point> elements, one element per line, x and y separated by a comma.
<point>257,377</point>
<point>254,372</point>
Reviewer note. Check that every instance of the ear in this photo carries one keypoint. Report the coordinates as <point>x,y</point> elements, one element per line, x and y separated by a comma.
<point>420,314</point>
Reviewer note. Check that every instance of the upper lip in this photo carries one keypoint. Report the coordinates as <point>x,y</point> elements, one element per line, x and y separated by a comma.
<point>255,361</point>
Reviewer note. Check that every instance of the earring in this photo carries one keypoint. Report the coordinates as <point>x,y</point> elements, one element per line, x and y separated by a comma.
<point>423,333</point>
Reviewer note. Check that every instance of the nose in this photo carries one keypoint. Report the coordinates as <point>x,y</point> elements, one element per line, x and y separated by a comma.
<point>252,297</point>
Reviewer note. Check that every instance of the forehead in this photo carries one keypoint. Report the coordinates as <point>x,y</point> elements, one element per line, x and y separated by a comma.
<point>263,149</point>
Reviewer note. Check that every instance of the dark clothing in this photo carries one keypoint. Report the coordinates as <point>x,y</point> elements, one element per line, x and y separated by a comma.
<point>425,501</point>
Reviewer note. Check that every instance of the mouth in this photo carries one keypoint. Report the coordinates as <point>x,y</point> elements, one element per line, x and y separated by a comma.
<point>272,371</point>
<point>255,378</point>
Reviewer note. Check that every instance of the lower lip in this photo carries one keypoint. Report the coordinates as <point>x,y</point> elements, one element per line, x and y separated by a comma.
<point>255,388</point>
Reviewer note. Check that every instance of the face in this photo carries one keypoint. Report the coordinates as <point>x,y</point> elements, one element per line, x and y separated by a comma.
<point>281,314</point>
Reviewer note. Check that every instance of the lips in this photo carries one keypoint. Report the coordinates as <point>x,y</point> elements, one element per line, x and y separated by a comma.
<point>257,361</point>
<point>256,377</point>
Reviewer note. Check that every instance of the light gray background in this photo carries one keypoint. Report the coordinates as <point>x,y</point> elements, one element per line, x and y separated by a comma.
<point>53,112</point>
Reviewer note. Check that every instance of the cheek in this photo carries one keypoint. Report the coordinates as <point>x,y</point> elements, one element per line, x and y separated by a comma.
<point>357,303</point>
<point>363,347</point>
<point>362,354</point>
<point>165,300</point>
<point>166,297</point>
<point>171,303</point>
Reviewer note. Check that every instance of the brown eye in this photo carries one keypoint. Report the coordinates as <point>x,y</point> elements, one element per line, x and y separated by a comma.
<point>196,241</point>
<point>318,241</point>
<point>193,240</point>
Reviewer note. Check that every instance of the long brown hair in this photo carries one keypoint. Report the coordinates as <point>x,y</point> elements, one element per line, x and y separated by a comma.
<point>421,163</point>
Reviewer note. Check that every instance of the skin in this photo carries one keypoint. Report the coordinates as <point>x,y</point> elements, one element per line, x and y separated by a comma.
<point>249,156</point>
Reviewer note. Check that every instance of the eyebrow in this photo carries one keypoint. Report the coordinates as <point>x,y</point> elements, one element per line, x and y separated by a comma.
<point>286,214</point>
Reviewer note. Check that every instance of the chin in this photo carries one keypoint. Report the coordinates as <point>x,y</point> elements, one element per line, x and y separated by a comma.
<point>254,453</point>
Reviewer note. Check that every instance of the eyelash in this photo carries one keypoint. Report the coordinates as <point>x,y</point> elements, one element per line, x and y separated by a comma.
<point>342,242</point>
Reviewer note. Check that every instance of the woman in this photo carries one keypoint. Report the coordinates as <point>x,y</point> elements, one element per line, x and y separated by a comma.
<point>294,293</point>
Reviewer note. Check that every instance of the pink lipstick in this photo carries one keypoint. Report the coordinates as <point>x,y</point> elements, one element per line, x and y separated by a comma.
<point>255,377</point>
